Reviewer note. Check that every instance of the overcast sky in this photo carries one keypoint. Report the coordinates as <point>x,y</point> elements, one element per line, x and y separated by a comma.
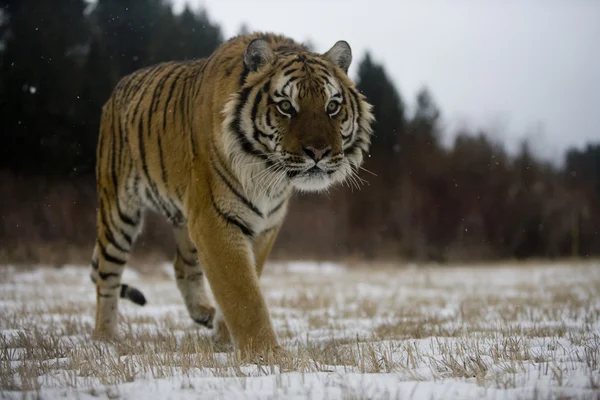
<point>522,68</point>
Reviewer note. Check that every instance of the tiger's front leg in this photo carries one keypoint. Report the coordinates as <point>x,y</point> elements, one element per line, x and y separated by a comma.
<point>262,247</point>
<point>230,266</point>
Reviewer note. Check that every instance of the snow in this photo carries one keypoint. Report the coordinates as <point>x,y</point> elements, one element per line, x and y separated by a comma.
<point>515,331</point>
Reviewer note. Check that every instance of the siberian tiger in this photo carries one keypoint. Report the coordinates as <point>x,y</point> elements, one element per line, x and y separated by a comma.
<point>218,145</point>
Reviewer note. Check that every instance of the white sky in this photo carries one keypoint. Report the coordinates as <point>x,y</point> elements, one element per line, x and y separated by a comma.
<point>521,68</point>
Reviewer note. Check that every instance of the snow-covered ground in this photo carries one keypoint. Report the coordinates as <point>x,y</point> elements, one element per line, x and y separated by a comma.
<point>480,332</point>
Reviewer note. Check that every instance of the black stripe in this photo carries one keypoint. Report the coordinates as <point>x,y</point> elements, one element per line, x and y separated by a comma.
<point>236,126</point>
<point>326,79</point>
<point>254,111</point>
<point>286,65</point>
<point>281,192</point>
<point>232,220</point>
<point>161,161</point>
<point>327,73</point>
<point>268,118</point>
<point>257,131</point>
<point>314,61</point>
<point>111,223</point>
<point>95,264</point>
<point>111,239</point>
<point>171,90</point>
<point>277,207</point>
<point>148,77</point>
<point>143,150</point>
<point>153,97</point>
<point>181,98</point>
<point>267,86</point>
<point>240,196</point>
<point>353,98</point>
<point>139,78</point>
<point>141,137</point>
<point>261,133</point>
<point>184,259</point>
<point>151,199</point>
<point>157,202</point>
<point>103,218</point>
<point>346,116</point>
<point>160,86</point>
<point>106,295</point>
<point>122,216</point>
<point>131,84</point>
<point>105,275</point>
<point>109,234</point>
<point>113,155</point>
<point>108,257</point>
<point>244,75</point>
<point>292,79</point>
<point>126,236</point>
<point>136,188</point>
<point>196,275</point>
<point>178,219</point>
<point>355,146</point>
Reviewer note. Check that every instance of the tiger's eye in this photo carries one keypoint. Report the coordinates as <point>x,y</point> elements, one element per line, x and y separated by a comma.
<point>285,105</point>
<point>333,107</point>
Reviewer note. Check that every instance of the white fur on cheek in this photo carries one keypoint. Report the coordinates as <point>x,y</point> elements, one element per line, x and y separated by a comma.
<point>257,183</point>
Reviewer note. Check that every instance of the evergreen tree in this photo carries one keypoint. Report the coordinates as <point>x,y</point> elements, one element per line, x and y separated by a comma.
<point>131,34</point>
<point>44,46</point>
<point>427,111</point>
<point>197,36</point>
<point>374,83</point>
<point>583,166</point>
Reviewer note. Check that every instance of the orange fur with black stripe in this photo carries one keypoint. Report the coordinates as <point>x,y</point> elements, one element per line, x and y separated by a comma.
<point>217,146</point>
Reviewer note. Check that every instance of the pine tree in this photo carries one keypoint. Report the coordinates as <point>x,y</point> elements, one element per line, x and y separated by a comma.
<point>44,47</point>
<point>375,84</point>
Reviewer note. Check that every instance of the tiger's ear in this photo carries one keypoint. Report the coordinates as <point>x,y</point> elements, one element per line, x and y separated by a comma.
<point>257,54</point>
<point>340,54</point>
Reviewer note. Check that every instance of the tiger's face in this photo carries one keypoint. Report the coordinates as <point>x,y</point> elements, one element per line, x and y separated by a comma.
<point>303,116</point>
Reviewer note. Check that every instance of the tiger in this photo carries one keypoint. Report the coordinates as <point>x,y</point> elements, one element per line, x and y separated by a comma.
<point>218,146</point>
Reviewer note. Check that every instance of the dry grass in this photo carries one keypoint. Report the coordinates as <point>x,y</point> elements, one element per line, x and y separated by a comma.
<point>533,329</point>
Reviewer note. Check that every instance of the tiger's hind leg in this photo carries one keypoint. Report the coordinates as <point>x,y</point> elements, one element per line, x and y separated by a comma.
<point>190,279</point>
<point>117,230</point>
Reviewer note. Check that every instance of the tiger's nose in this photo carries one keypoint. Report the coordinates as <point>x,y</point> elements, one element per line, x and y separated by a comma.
<point>316,153</point>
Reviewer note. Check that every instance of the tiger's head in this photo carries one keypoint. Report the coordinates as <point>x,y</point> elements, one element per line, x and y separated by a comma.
<point>300,113</point>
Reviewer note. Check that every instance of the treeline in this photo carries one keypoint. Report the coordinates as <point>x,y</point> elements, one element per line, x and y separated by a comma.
<point>60,59</point>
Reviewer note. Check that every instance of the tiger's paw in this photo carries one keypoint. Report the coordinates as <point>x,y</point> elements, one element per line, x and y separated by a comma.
<point>204,315</point>
<point>221,338</point>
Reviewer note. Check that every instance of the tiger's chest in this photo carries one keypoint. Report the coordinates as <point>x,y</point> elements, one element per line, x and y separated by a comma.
<point>252,214</point>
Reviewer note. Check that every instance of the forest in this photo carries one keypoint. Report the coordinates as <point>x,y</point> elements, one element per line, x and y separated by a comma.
<point>419,200</point>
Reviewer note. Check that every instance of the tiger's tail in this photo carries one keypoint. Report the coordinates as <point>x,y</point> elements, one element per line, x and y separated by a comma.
<point>128,292</point>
